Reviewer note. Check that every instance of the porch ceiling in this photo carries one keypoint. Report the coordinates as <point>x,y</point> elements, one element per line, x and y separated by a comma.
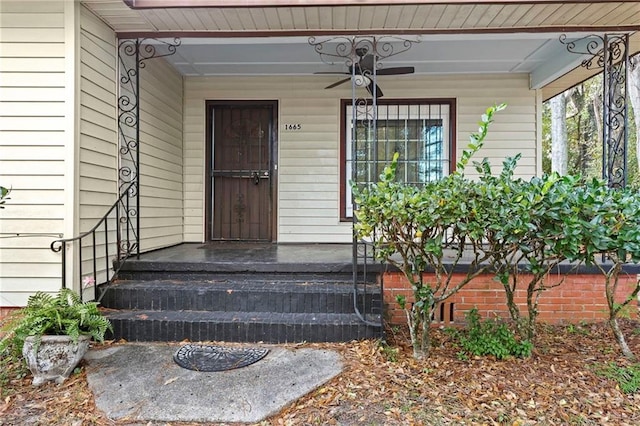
<point>456,37</point>
<point>537,54</point>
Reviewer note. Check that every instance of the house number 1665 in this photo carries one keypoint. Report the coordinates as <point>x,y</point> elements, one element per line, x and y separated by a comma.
<point>296,126</point>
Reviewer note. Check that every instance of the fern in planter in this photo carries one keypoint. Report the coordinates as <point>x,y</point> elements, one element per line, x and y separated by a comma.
<point>60,314</point>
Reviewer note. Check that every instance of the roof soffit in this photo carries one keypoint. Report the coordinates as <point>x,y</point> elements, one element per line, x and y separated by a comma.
<point>462,36</point>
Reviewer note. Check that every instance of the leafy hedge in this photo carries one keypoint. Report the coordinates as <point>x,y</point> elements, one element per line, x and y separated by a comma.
<point>500,224</point>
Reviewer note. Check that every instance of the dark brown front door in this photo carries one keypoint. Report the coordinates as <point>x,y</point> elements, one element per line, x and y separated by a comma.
<point>241,168</point>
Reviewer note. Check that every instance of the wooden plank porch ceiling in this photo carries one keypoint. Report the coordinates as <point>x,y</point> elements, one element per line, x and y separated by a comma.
<point>392,17</point>
<point>253,18</point>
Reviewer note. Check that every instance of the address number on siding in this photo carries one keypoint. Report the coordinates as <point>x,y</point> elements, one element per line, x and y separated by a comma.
<point>296,126</point>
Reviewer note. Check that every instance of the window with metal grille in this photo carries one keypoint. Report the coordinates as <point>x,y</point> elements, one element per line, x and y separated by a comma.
<point>420,131</point>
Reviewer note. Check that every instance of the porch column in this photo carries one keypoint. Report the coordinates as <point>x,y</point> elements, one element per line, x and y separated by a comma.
<point>610,52</point>
<point>132,56</point>
<point>615,111</point>
<point>363,57</point>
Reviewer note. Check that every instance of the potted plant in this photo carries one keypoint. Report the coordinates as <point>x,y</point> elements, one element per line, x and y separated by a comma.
<point>53,332</point>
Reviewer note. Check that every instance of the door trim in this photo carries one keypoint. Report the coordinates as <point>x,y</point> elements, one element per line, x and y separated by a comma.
<point>273,153</point>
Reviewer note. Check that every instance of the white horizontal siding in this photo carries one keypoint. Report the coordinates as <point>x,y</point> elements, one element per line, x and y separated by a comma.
<point>161,156</point>
<point>33,134</point>
<point>98,115</point>
<point>308,159</point>
<point>98,152</point>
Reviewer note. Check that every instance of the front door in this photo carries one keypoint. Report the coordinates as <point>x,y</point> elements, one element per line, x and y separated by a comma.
<point>240,164</point>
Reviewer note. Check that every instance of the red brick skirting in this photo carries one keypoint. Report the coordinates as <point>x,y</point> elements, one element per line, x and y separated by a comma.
<point>7,311</point>
<point>580,297</point>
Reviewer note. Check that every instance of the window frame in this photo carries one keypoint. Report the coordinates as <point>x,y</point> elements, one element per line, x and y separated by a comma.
<point>346,103</point>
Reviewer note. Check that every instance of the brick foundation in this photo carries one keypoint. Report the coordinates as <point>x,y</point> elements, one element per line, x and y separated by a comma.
<point>580,297</point>
<point>4,311</point>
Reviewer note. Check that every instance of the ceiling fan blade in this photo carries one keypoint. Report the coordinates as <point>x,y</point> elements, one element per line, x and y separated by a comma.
<point>338,83</point>
<point>332,73</point>
<point>395,71</point>
<point>379,93</point>
<point>366,63</point>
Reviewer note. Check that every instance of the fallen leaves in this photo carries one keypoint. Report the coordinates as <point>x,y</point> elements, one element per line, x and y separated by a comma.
<point>68,404</point>
<point>556,386</point>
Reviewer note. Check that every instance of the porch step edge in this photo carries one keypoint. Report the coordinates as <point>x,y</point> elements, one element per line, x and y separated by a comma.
<point>134,268</point>
<point>245,296</point>
<point>239,326</point>
<point>241,284</point>
<point>299,317</point>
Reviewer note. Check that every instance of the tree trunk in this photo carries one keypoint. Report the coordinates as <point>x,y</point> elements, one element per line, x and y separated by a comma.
<point>611,278</point>
<point>596,104</point>
<point>419,321</point>
<point>412,322</point>
<point>512,306</point>
<point>425,343</point>
<point>559,149</point>
<point>634,96</point>
<point>622,342</point>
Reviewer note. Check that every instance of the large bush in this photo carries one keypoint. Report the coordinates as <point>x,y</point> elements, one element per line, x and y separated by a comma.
<point>431,227</point>
<point>497,223</point>
<point>533,229</point>
<point>610,238</point>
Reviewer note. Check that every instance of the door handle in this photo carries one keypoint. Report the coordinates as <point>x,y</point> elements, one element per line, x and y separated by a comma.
<point>256,176</point>
<point>240,174</point>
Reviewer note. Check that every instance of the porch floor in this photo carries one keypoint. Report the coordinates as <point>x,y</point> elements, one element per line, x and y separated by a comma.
<point>248,257</point>
<point>286,258</point>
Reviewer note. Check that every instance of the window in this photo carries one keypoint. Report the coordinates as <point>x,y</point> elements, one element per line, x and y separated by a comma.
<point>421,131</point>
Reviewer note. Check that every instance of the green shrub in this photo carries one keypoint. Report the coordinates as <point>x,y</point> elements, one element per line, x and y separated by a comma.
<point>490,337</point>
<point>427,227</point>
<point>628,378</point>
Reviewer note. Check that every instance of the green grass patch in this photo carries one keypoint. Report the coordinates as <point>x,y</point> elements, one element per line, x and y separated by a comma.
<point>628,378</point>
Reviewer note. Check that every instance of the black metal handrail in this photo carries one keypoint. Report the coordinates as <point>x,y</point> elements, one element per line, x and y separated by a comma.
<point>367,284</point>
<point>126,243</point>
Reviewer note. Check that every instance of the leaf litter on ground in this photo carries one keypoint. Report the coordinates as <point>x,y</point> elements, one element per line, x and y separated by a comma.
<point>382,384</point>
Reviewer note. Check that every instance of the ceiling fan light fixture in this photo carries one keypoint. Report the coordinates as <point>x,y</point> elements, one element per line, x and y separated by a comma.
<point>361,80</point>
<point>362,70</point>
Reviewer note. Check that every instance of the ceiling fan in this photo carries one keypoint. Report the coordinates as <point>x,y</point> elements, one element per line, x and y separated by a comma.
<point>363,72</point>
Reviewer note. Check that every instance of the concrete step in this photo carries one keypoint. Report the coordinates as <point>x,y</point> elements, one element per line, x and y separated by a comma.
<point>268,327</point>
<point>243,307</point>
<point>242,293</point>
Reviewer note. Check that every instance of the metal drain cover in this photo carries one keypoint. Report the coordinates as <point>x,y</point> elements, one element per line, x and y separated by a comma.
<point>216,358</point>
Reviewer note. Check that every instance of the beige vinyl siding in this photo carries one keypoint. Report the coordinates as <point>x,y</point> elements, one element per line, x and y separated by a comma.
<point>98,154</point>
<point>161,163</point>
<point>308,179</point>
<point>33,134</point>
<point>308,159</point>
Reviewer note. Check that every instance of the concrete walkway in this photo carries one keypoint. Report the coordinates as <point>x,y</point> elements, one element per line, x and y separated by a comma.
<point>141,382</point>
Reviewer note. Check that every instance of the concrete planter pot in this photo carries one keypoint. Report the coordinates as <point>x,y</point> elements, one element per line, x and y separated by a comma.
<point>55,358</point>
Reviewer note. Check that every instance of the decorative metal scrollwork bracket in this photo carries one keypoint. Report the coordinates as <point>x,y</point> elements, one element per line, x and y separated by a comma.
<point>609,52</point>
<point>345,49</point>
<point>132,57</point>
<point>349,51</point>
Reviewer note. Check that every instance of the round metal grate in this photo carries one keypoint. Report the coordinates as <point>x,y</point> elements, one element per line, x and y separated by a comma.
<point>216,358</point>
